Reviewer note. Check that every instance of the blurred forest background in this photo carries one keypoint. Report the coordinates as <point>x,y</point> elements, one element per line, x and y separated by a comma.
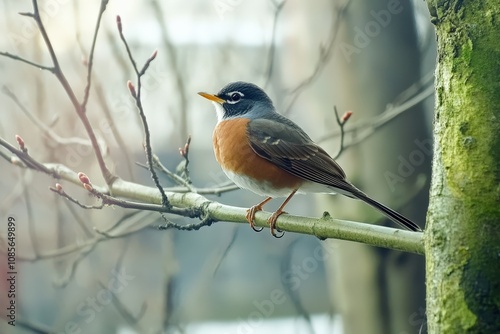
<point>374,58</point>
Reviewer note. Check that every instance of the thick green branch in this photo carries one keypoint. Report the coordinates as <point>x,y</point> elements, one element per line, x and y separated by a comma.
<point>324,227</point>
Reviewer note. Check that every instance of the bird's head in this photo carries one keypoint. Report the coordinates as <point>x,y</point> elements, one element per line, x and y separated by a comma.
<point>240,99</point>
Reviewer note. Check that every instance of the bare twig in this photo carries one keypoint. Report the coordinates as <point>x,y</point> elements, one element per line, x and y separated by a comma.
<point>138,218</point>
<point>361,130</point>
<point>44,128</point>
<point>131,319</point>
<point>226,250</point>
<point>110,200</point>
<point>90,62</point>
<point>176,178</point>
<point>182,168</point>
<point>174,67</point>
<point>286,265</point>
<point>114,129</point>
<point>15,57</point>
<point>29,211</point>
<point>71,268</point>
<point>60,191</point>
<point>341,123</point>
<point>78,219</point>
<point>324,56</point>
<point>57,71</point>
<point>272,46</point>
<point>26,158</point>
<point>205,221</point>
<point>33,327</point>
<point>136,94</point>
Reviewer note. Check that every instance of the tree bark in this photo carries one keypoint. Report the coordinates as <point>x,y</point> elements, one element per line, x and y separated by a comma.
<point>463,230</point>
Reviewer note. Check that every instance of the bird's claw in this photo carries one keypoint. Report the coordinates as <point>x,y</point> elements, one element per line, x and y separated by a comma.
<point>272,225</point>
<point>251,217</point>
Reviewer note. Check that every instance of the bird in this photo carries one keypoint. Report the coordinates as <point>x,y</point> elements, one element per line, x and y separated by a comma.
<point>265,152</point>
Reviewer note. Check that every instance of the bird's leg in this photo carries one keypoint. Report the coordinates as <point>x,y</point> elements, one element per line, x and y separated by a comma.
<point>272,220</point>
<point>253,210</point>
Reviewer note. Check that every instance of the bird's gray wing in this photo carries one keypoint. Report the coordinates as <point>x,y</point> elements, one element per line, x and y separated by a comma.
<point>286,145</point>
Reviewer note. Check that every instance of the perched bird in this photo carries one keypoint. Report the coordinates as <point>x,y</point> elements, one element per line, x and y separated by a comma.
<point>268,154</point>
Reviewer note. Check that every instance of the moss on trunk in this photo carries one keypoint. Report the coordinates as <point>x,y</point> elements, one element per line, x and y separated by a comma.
<point>463,231</point>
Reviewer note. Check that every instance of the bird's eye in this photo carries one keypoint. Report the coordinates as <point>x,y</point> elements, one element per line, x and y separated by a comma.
<point>235,97</point>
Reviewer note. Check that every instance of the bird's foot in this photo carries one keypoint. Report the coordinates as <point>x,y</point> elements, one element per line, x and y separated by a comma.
<point>272,224</point>
<point>251,217</point>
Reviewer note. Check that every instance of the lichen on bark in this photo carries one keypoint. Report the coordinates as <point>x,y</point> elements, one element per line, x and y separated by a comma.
<point>463,232</point>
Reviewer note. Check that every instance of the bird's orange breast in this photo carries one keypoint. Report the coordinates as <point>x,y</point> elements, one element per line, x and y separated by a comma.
<point>234,153</point>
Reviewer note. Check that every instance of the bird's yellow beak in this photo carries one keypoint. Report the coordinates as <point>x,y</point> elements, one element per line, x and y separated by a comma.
<point>212,97</point>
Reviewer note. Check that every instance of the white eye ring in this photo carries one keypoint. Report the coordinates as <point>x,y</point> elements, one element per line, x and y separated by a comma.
<point>234,97</point>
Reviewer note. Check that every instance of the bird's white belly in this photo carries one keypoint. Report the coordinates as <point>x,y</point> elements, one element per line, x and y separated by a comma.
<point>260,188</point>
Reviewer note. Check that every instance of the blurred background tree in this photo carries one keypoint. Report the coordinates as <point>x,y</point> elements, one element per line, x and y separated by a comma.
<point>371,58</point>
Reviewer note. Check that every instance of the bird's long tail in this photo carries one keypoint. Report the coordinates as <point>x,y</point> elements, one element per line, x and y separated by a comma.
<point>393,215</point>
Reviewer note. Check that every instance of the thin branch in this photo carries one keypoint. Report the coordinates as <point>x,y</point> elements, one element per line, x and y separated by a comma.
<point>176,178</point>
<point>78,219</point>
<point>26,158</point>
<point>272,46</point>
<point>362,130</point>
<point>15,57</point>
<point>124,151</point>
<point>108,176</point>
<point>139,219</point>
<point>286,265</point>
<point>33,327</point>
<point>57,71</point>
<point>29,212</point>
<point>131,319</point>
<point>90,63</point>
<point>226,250</point>
<point>324,56</point>
<point>341,123</point>
<point>182,169</point>
<point>60,191</point>
<point>44,128</point>
<point>71,269</point>
<point>136,94</point>
<point>174,67</point>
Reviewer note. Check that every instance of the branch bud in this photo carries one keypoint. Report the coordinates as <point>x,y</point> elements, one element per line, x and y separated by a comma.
<point>20,142</point>
<point>153,56</point>
<point>83,178</point>
<point>131,88</point>
<point>119,23</point>
<point>16,161</point>
<point>346,116</point>
<point>59,187</point>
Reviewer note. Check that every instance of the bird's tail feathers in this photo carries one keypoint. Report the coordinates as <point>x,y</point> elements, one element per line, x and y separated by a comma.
<point>393,215</point>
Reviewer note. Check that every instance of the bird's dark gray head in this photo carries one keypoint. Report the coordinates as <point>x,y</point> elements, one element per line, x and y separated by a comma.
<point>241,99</point>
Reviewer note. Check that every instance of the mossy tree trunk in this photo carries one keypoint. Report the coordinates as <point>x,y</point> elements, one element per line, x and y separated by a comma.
<point>463,230</point>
